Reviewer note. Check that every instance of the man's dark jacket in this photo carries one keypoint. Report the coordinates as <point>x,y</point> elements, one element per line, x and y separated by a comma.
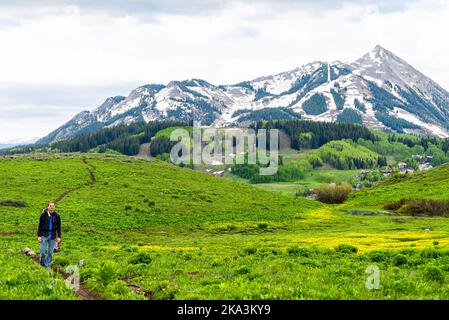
<point>44,225</point>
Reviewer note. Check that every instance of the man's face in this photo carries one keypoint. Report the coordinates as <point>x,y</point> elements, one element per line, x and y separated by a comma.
<point>51,207</point>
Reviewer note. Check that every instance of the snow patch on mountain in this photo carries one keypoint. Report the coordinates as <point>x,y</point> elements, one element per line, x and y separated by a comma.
<point>379,80</point>
<point>410,117</point>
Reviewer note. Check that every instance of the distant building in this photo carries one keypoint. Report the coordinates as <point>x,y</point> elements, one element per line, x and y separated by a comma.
<point>402,165</point>
<point>387,172</point>
<point>423,158</point>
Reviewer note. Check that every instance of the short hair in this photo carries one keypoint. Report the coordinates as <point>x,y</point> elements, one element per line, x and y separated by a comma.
<point>51,203</point>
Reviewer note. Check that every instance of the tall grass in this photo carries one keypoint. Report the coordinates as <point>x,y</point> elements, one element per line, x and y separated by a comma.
<point>428,207</point>
<point>333,193</point>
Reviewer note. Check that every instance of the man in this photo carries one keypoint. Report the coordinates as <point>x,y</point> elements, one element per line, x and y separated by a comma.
<point>57,248</point>
<point>48,232</point>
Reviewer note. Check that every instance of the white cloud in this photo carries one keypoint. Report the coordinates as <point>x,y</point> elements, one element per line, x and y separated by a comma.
<point>87,47</point>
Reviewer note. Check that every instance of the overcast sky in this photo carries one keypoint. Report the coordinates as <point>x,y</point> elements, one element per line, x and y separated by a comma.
<point>61,57</point>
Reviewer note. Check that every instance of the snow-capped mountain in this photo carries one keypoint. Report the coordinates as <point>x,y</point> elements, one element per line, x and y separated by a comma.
<point>379,90</point>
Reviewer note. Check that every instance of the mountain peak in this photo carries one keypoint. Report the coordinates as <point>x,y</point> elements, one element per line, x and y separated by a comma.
<point>380,60</point>
<point>389,87</point>
<point>379,55</point>
<point>379,48</point>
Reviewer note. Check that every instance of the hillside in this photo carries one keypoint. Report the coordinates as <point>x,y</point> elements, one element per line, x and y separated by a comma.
<point>344,155</point>
<point>133,206</point>
<point>379,90</point>
<point>150,230</point>
<point>431,184</point>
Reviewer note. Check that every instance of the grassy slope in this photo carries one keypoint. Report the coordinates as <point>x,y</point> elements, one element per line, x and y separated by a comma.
<point>428,184</point>
<point>19,177</point>
<point>344,149</point>
<point>167,131</point>
<point>206,237</point>
<point>311,180</point>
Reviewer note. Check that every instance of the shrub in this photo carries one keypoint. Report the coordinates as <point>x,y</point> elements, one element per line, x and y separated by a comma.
<point>118,289</point>
<point>165,291</point>
<point>433,273</point>
<point>346,248</point>
<point>333,193</point>
<point>249,251</point>
<point>186,256</point>
<point>293,251</point>
<point>399,260</point>
<point>302,252</point>
<point>141,257</point>
<point>13,203</point>
<point>262,225</point>
<point>243,270</point>
<point>105,274</point>
<point>395,205</point>
<point>62,262</point>
<point>151,203</point>
<point>246,171</point>
<point>430,253</point>
<point>86,274</point>
<point>215,263</point>
<point>379,256</point>
<point>428,207</point>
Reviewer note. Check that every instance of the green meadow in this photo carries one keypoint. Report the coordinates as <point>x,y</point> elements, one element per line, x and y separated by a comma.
<point>150,230</point>
<point>311,180</point>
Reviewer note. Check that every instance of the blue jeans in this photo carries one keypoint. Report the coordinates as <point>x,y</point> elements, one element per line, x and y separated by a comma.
<point>46,258</point>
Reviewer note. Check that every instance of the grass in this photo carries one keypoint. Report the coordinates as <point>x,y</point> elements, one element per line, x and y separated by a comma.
<point>21,279</point>
<point>345,154</point>
<point>312,180</point>
<point>181,234</point>
<point>290,155</point>
<point>167,131</point>
<point>432,184</point>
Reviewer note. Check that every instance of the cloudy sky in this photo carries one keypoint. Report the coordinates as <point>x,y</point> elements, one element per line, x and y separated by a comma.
<point>61,57</point>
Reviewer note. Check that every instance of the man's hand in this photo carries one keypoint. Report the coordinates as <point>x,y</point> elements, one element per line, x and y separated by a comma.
<point>58,240</point>
<point>39,239</point>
